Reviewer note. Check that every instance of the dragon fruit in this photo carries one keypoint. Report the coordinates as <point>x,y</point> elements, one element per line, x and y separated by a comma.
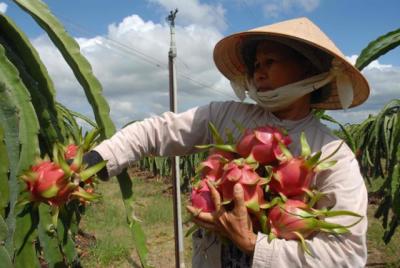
<point>293,175</point>
<point>56,182</point>
<point>296,220</point>
<point>262,144</point>
<point>201,197</point>
<point>237,171</point>
<point>47,182</point>
<point>287,221</point>
<point>212,167</point>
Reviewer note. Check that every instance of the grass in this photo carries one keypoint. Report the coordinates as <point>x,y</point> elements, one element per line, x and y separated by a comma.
<point>380,254</point>
<point>106,221</point>
<point>114,244</point>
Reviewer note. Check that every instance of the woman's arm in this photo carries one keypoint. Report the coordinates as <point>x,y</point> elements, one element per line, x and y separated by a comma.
<point>166,135</point>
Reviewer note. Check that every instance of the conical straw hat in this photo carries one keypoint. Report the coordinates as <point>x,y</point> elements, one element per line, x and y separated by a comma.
<point>228,55</point>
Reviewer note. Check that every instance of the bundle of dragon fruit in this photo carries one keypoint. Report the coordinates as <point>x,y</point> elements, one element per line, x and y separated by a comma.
<point>277,185</point>
<point>63,178</point>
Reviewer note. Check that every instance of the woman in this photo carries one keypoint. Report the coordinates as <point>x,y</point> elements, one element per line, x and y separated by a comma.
<point>288,69</point>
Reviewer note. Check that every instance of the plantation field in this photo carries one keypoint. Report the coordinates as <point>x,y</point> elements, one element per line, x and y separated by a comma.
<point>113,244</point>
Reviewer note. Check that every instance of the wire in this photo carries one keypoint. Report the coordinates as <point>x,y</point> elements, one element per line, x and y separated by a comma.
<point>145,57</point>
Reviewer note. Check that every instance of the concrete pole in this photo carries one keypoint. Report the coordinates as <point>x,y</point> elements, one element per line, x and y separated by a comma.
<point>179,255</point>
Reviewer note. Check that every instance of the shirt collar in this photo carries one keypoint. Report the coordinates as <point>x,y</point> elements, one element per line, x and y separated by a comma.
<point>290,125</point>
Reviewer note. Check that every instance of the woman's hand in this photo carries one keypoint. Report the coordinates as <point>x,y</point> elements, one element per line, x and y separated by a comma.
<point>235,224</point>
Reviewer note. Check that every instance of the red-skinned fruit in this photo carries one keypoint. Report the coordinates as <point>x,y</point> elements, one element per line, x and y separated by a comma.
<point>285,220</point>
<point>201,197</point>
<point>262,144</point>
<point>212,167</point>
<point>296,220</point>
<point>293,175</point>
<point>237,171</point>
<point>47,182</point>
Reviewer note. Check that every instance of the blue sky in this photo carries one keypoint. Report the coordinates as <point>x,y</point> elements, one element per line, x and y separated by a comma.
<point>112,34</point>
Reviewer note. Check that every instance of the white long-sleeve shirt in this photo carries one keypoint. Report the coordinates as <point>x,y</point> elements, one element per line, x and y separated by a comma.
<point>343,186</point>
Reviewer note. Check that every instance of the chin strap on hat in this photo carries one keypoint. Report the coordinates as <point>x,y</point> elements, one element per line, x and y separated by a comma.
<point>239,87</point>
<point>343,83</point>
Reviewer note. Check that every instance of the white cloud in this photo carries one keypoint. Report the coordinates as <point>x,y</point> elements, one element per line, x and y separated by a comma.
<point>3,7</point>
<point>372,65</point>
<point>276,8</point>
<point>131,63</point>
<point>194,12</point>
<point>352,59</point>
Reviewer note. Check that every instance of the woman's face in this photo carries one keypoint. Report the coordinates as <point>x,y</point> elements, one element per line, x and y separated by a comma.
<point>276,65</point>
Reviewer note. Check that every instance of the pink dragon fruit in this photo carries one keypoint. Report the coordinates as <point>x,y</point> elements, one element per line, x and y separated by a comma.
<point>293,175</point>
<point>237,171</point>
<point>296,220</point>
<point>262,144</point>
<point>55,183</point>
<point>201,197</point>
<point>212,167</point>
<point>286,220</point>
<point>47,182</point>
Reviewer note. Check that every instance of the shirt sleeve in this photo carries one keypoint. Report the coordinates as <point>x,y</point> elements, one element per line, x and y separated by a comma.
<point>344,189</point>
<point>166,135</point>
